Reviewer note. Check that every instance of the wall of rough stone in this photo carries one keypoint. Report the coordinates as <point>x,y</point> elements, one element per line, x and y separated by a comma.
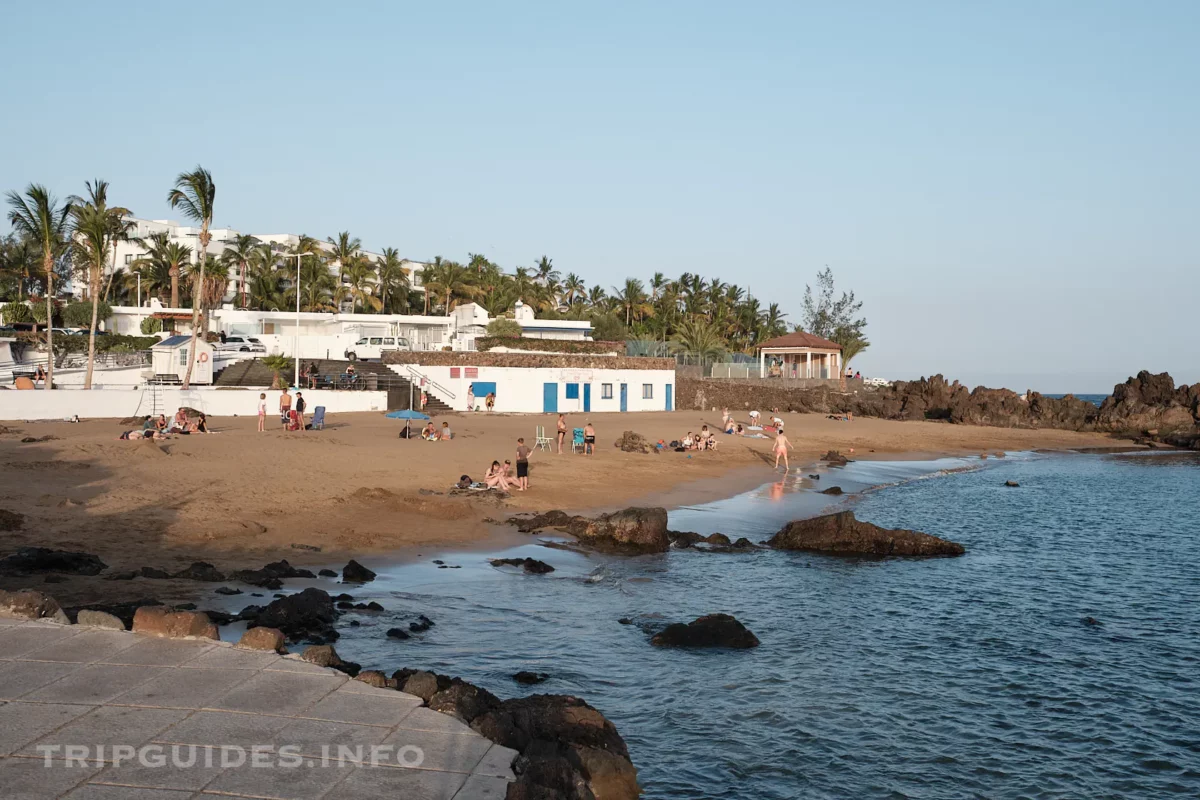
<point>706,393</point>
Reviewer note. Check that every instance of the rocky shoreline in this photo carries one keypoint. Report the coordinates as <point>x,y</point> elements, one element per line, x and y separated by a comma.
<point>1146,408</point>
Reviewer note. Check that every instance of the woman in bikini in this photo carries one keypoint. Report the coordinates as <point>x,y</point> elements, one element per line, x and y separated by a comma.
<point>562,431</point>
<point>496,477</point>
<point>781,450</point>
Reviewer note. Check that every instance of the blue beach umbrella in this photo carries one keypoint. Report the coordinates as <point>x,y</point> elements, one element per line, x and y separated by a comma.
<point>407,415</point>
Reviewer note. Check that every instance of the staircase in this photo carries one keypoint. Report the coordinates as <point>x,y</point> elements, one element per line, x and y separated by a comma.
<point>371,376</point>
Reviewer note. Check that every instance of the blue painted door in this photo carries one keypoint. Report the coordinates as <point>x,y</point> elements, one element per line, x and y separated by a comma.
<point>624,397</point>
<point>587,397</point>
<point>550,398</point>
<point>670,398</point>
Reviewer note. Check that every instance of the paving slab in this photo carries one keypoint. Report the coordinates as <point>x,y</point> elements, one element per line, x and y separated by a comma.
<point>182,719</point>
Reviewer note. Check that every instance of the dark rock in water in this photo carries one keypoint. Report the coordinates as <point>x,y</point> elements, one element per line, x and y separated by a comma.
<point>832,490</point>
<point>355,572</point>
<point>154,573</point>
<point>200,571</point>
<point>343,598</point>
<point>744,544</point>
<point>228,590</point>
<point>625,621</point>
<point>11,520</point>
<point>1091,622</point>
<point>438,561</point>
<point>55,579</point>
<point>531,565</point>
<point>345,605</point>
<point>684,539</point>
<point>713,630</point>
<point>327,573</point>
<point>44,559</point>
<point>422,624</point>
<point>373,606</point>
<point>355,623</point>
<point>186,607</point>
<point>530,678</point>
<point>125,575</point>
<point>834,457</point>
<point>307,614</point>
<point>397,633</point>
<point>271,576</point>
<point>1013,484</point>
<point>815,477</point>
<point>718,539</point>
<point>842,534</point>
<point>550,519</point>
<point>420,683</point>
<point>256,594</point>
<point>631,531</point>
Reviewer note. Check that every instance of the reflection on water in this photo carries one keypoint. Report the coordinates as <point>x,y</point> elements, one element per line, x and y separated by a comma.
<point>965,677</point>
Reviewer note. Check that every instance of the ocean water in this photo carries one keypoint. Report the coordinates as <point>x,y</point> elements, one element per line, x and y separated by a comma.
<point>945,678</point>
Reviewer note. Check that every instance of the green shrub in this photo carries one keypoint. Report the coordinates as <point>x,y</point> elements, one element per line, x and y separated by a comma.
<point>502,328</point>
<point>151,325</point>
<point>17,312</point>
<point>79,314</point>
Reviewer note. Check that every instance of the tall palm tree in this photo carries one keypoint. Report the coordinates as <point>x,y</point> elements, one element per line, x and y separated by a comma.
<point>195,195</point>
<point>238,254</point>
<point>210,284</point>
<point>39,217</point>
<point>452,281</point>
<point>163,258</point>
<point>360,279</point>
<point>317,286</point>
<point>429,274</point>
<point>546,273</point>
<point>697,336</point>
<point>345,247</point>
<point>95,228</point>
<point>597,298</point>
<point>573,288</point>
<point>392,280</point>
<point>632,298</point>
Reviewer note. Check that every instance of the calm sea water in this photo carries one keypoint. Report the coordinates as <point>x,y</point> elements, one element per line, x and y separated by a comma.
<point>946,678</point>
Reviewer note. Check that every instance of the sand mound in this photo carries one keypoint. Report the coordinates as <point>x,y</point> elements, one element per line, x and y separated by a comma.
<point>378,494</point>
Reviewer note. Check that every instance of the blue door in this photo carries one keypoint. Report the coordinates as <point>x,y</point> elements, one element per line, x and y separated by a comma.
<point>624,397</point>
<point>550,398</point>
<point>587,397</point>
<point>670,398</point>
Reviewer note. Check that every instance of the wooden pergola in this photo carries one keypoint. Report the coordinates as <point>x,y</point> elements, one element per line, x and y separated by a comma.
<point>799,355</point>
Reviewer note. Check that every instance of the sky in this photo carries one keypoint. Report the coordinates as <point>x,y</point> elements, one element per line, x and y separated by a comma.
<point>1012,189</point>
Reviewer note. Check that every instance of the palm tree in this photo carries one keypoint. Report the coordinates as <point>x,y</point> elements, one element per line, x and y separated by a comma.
<point>360,277</point>
<point>428,274</point>
<point>632,297</point>
<point>210,284</point>
<point>392,279</point>
<point>20,262</point>
<point>546,273</point>
<point>451,280</point>
<point>317,286</point>
<point>345,247</point>
<point>195,194</point>
<point>573,288</point>
<point>95,230</point>
<point>163,258</point>
<point>38,217</point>
<point>238,254</point>
<point>698,337</point>
<point>597,298</point>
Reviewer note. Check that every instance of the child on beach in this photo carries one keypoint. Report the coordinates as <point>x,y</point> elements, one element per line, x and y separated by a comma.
<point>522,466</point>
<point>781,447</point>
<point>262,412</point>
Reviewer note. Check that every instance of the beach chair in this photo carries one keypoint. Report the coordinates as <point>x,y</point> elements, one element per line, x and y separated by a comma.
<point>541,440</point>
<point>318,420</point>
<point>577,445</point>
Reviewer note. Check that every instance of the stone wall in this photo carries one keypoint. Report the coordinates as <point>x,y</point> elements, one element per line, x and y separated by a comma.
<point>526,360</point>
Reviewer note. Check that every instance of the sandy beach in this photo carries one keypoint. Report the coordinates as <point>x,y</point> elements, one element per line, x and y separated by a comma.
<point>238,498</point>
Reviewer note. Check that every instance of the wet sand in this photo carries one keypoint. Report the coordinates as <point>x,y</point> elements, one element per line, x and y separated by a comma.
<point>239,498</point>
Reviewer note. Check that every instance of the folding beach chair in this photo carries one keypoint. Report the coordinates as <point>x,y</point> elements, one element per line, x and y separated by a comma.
<point>318,420</point>
<point>577,440</point>
<point>541,441</point>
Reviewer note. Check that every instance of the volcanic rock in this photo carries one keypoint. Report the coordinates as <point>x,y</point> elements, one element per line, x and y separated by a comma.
<point>834,490</point>
<point>631,442</point>
<point>44,559</point>
<point>98,619</point>
<point>154,573</point>
<point>531,565</point>
<point>271,639</point>
<point>684,539</point>
<point>327,573</point>
<point>397,633</point>
<point>842,534</point>
<point>633,530</point>
<point>159,621</point>
<point>464,701</point>
<point>28,604</point>
<point>200,571</point>
<point>355,572</point>
<point>420,683</point>
<point>305,615</point>
<point>422,624</point>
<point>713,630</point>
<point>1012,484</point>
<point>719,539</point>
<point>271,576</point>
<point>11,520</point>
<point>526,678</point>
<point>834,457</point>
<point>374,678</point>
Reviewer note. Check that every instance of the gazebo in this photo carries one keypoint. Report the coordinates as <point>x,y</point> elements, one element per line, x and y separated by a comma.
<point>799,355</point>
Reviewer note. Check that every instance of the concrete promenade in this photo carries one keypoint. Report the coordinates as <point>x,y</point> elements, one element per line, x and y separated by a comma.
<point>223,722</point>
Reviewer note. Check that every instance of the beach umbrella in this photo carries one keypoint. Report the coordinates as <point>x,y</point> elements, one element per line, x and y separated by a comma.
<point>407,414</point>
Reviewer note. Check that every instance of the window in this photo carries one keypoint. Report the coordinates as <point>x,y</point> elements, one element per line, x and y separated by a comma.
<point>183,356</point>
<point>128,259</point>
<point>390,342</point>
<point>606,391</point>
<point>376,340</point>
<point>572,391</point>
<point>647,391</point>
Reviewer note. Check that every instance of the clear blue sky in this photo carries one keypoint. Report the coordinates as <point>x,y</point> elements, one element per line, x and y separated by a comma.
<point>1012,188</point>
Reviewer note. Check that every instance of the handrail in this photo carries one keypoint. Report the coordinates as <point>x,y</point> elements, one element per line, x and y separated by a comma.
<point>417,373</point>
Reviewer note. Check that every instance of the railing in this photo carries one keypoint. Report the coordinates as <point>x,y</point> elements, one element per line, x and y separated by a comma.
<point>416,373</point>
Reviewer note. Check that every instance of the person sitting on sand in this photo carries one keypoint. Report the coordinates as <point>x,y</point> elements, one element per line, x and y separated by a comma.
<point>707,440</point>
<point>729,425</point>
<point>446,434</point>
<point>180,424</point>
<point>496,477</point>
<point>688,442</point>
<point>508,469</point>
<point>202,424</point>
<point>780,450</point>
<point>429,434</point>
<point>740,430</point>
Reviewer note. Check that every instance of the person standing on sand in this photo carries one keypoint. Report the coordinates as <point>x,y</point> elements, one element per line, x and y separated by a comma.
<point>562,431</point>
<point>781,447</point>
<point>471,397</point>
<point>285,407</point>
<point>490,400</point>
<point>262,412</point>
<point>522,466</point>
<point>589,440</point>
<point>300,406</point>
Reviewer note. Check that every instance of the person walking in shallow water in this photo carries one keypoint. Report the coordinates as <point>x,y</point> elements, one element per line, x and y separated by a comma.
<point>782,445</point>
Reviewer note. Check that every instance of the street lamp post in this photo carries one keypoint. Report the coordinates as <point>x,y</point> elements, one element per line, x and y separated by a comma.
<point>296,337</point>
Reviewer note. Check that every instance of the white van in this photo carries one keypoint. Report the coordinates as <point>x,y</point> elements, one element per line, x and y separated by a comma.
<point>373,347</point>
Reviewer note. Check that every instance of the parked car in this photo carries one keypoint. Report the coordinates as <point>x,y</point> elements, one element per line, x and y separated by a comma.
<point>373,347</point>
<point>240,344</point>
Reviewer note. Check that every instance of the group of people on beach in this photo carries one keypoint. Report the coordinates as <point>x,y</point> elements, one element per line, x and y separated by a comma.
<point>158,428</point>
<point>291,414</point>
<point>781,445</point>
<point>489,400</point>
<point>432,434</point>
<point>589,437</point>
<point>500,476</point>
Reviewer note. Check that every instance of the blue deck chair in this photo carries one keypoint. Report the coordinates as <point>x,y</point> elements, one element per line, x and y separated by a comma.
<point>318,420</point>
<point>577,440</point>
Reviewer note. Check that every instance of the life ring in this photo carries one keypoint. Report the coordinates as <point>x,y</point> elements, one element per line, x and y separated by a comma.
<point>203,357</point>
